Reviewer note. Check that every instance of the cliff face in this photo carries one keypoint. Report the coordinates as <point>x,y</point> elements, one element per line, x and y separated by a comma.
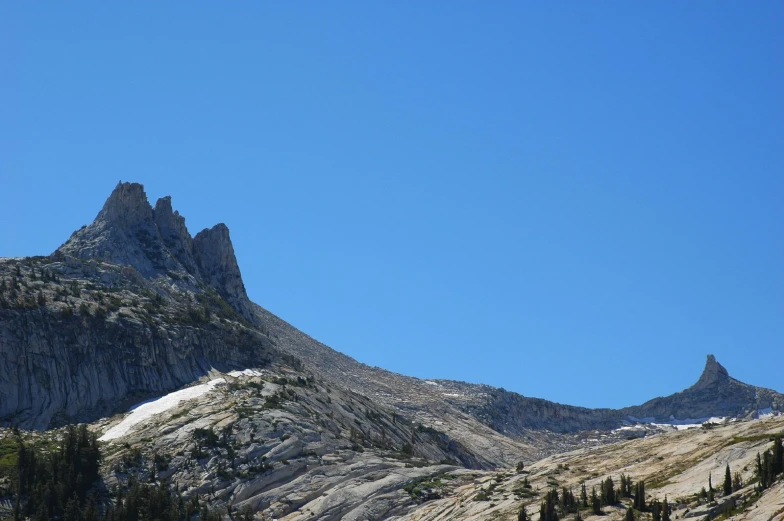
<point>156,243</point>
<point>716,394</point>
<point>132,304</point>
<point>79,339</point>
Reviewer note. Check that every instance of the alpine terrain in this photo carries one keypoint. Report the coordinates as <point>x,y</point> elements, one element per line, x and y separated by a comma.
<point>139,382</point>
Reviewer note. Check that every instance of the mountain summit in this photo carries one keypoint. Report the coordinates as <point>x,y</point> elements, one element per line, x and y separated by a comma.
<point>156,243</point>
<point>134,304</point>
<point>716,394</point>
<point>714,375</point>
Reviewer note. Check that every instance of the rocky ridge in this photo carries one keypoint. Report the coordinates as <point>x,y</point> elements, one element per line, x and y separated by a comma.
<point>157,244</point>
<point>715,394</point>
<point>149,252</point>
<point>132,307</point>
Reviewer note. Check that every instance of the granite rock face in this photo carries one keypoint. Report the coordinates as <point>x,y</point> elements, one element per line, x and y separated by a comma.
<point>137,269</point>
<point>716,394</point>
<point>83,338</point>
<point>156,243</point>
<point>218,266</point>
<point>174,233</point>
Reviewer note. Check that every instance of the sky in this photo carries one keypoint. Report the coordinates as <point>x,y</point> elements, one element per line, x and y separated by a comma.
<point>572,200</point>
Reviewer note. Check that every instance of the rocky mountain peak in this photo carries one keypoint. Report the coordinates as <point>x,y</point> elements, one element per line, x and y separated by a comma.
<point>214,255</point>
<point>713,375</point>
<point>156,243</point>
<point>171,226</point>
<point>126,205</point>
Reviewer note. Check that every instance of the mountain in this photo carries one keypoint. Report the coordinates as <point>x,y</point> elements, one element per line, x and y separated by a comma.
<point>132,308</point>
<point>715,395</point>
<point>135,283</point>
<point>155,242</point>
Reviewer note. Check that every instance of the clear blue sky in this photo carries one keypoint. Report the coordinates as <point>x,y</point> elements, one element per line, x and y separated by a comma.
<point>572,200</point>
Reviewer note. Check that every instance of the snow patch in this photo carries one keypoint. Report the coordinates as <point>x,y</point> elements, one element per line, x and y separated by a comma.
<point>767,412</point>
<point>244,372</point>
<point>428,382</point>
<point>142,412</point>
<point>688,423</point>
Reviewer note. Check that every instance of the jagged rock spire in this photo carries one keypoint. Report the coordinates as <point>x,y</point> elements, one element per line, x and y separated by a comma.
<point>713,375</point>
<point>217,263</point>
<point>171,226</point>
<point>127,204</point>
<point>156,243</point>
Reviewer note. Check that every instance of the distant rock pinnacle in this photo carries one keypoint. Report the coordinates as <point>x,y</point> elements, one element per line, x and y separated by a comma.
<point>218,266</point>
<point>156,243</point>
<point>713,375</point>
<point>171,226</point>
<point>126,205</point>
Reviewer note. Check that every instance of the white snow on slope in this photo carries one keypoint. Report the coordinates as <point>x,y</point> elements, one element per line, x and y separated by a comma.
<point>688,423</point>
<point>146,410</point>
<point>244,372</point>
<point>767,412</point>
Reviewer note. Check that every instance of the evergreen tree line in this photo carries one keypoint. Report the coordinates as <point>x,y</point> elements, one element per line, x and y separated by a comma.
<point>555,506</point>
<point>770,465</point>
<point>60,483</point>
<point>51,484</point>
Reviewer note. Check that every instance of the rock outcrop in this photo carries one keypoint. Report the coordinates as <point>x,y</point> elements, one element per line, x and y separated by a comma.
<point>137,268</point>
<point>716,394</point>
<point>156,243</point>
<point>218,266</point>
<point>171,226</point>
<point>78,339</point>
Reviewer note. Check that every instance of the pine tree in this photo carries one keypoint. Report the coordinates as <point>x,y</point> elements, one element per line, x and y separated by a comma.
<point>626,486</point>
<point>727,481</point>
<point>522,515</point>
<point>656,510</point>
<point>737,482</point>
<point>548,506</point>
<point>608,492</point>
<point>710,488</point>
<point>761,485</point>
<point>595,504</point>
<point>639,496</point>
<point>629,514</point>
<point>778,456</point>
<point>584,496</point>
<point>665,512</point>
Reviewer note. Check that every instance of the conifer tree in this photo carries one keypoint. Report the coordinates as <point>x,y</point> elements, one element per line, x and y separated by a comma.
<point>595,504</point>
<point>547,511</point>
<point>626,486</point>
<point>639,496</point>
<point>608,492</point>
<point>629,514</point>
<point>778,455</point>
<point>656,510</point>
<point>737,482</point>
<point>522,515</point>
<point>584,496</point>
<point>761,485</point>
<point>727,481</point>
<point>710,488</point>
<point>665,512</point>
